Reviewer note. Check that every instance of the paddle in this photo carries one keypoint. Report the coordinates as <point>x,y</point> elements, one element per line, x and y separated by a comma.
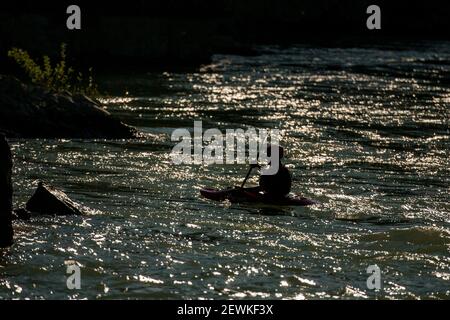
<point>246,177</point>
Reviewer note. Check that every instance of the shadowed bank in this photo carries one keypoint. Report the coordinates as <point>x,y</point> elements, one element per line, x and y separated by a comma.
<point>179,34</point>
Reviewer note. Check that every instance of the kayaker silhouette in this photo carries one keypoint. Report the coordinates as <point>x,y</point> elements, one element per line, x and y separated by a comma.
<point>272,190</point>
<point>274,186</point>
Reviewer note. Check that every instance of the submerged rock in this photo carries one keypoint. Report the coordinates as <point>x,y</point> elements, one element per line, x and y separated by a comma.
<point>6,190</point>
<point>48,200</point>
<point>32,112</point>
<point>21,214</point>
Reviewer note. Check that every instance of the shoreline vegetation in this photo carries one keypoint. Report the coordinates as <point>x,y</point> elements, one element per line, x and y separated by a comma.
<point>59,77</point>
<point>60,102</point>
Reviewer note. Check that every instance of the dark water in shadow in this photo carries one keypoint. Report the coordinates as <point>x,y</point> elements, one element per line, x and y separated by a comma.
<point>368,136</point>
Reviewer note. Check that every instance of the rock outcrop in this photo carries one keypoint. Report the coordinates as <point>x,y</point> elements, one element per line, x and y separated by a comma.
<point>6,190</point>
<point>28,111</point>
<point>48,200</point>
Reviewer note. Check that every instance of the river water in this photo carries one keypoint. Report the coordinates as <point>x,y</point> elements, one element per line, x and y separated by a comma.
<point>367,135</point>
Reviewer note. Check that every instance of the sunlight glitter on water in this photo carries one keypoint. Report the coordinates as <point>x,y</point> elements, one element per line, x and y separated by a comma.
<point>366,134</point>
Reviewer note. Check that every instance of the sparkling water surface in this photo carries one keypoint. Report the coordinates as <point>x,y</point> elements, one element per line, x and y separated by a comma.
<point>366,132</point>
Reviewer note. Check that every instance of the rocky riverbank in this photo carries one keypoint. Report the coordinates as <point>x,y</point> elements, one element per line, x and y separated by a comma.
<point>28,111</point>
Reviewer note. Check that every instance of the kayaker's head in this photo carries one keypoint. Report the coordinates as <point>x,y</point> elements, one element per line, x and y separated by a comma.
<point>271,147</point>
<point>273,155</point>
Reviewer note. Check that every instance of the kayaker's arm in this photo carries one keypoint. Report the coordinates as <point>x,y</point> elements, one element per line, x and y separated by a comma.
<point>248,173</point>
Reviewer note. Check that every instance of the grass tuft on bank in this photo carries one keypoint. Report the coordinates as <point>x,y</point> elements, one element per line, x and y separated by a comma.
<point>58,77</point>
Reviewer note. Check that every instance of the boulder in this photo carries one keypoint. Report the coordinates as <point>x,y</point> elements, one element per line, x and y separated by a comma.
<point>28,111</point>
<point>6,190</point>
<point>48,200</point>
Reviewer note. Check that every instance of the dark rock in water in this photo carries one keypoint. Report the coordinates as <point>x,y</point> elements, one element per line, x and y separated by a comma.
<point>47,200</point>
<point>21,214</point>
<point>6,230</point>
<point>32,112</point>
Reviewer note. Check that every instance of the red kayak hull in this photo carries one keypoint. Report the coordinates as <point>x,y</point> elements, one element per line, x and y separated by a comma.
<point>250,195</point>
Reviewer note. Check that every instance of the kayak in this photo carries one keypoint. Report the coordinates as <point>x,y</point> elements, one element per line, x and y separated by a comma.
<point>253,195</point>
